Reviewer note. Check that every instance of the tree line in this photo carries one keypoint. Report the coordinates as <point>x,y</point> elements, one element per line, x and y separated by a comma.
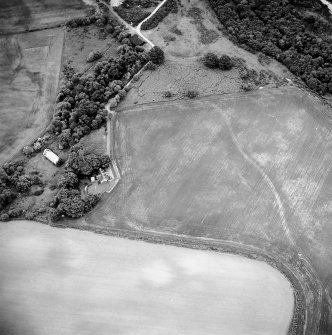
<point>81,100</point>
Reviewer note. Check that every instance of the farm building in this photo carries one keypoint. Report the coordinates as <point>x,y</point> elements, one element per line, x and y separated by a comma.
<point>51,156</point>
<point>103,177</point>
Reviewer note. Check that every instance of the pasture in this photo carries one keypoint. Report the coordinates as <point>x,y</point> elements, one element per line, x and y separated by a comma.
<point>29,73</point>
<point>56,281</point>
<point>251,168</point>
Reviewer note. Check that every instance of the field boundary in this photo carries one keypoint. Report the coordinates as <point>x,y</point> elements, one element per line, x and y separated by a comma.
<point>295,275</point>
<point>227,96</point>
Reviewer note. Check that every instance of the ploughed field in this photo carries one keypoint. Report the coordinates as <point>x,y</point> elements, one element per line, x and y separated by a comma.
<point>29,73</point>
<point>252,168</point>
<point>21,15</point>
<point>56,281</point>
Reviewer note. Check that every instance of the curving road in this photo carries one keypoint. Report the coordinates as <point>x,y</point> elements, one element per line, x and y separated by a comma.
<point>136,30</point>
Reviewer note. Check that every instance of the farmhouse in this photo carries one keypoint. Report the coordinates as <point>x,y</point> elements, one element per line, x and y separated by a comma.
<point>103,177</point>
<point>50,155</point>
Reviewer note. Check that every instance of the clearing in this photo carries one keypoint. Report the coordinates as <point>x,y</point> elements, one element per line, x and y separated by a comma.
<point>71,282</point>
<point>185,37</point>
<point>29,74</point>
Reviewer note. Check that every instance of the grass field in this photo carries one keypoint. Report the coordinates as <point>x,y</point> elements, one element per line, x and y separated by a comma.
<point>79,42</point>
<point>29,72</point>
<point>71,282</point>
<point>251,168</point>
<point>21,15</point>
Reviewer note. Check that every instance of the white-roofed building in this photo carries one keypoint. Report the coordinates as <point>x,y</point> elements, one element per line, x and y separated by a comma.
<point>51,156</point>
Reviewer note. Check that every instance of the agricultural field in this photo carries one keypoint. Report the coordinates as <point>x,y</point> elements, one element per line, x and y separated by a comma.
<point>29,73</point>
<point>251,168</point>
<point>22,15</point>
<point>83,283</point>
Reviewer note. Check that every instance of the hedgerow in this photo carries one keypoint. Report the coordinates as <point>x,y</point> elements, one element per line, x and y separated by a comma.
<point>81,100</point>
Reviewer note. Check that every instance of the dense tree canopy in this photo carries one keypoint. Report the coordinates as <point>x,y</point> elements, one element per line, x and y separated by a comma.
<point>211,60</point>
<point>14,180</point>
<point>69,201</point>
<point>6,194</point>
<point>156,55</point>
<point>292,31</point>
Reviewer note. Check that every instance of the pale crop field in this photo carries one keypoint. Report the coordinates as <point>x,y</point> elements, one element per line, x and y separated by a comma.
<point>56,281</point>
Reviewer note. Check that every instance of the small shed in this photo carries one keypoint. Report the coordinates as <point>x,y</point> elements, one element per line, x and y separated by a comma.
<point>51,156</point>
<point>136,40</point>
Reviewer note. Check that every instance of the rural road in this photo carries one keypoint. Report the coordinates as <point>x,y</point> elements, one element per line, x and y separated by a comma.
<point>136,30</point>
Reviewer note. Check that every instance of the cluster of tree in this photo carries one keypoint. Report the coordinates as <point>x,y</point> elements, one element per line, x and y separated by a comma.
<point>132,14</point>
<point>139,3</point>
<point>17,178</point>
<point>37,146</point>
<point>284,30</point>
<point>211,60</point>
<point>84,165</point>
<point>14,181</point>
<point>81,100</point>
<point>191,94</point>
<point>7,195</point>
<point>100,18</point>
<point>69,201</point>
<point>156,55</point>
<point>94,55</point>
<point>170,6</point>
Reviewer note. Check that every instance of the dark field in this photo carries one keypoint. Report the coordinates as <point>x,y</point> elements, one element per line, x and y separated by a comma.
<point>20,15</point>
<point>29,72</point>
<point>253,169</point>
